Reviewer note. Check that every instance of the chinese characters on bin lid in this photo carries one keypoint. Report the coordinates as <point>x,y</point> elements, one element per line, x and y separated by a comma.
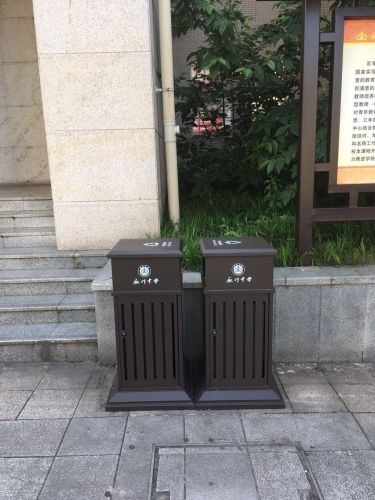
<point>238,275</point>
<point>356,159</point>
<point>144,276</point>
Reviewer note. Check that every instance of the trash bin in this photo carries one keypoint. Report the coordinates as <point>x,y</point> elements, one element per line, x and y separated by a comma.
<point>238,313</point>
<point>147,291</point>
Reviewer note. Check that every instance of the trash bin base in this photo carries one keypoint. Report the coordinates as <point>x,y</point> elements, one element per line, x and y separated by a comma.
<point>149,399</point>
<point>246,397</point>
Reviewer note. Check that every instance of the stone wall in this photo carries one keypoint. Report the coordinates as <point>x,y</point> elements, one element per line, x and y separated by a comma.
<point>320,314</point>
<point>97,67</point>
<point>23,153</point>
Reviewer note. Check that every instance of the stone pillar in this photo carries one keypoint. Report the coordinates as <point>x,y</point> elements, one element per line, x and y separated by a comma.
<point>97,68</point>
<point>23,153</point>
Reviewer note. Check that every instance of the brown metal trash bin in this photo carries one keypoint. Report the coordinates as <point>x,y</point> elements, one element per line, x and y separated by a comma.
<point>238,295</point>
<point>147,291</point>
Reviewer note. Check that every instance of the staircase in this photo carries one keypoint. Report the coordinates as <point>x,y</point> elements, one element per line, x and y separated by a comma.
<point>47,309</point>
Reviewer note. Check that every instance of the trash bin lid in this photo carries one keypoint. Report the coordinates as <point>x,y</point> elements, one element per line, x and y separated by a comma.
<point>253,245</point>
<point>158,247</point>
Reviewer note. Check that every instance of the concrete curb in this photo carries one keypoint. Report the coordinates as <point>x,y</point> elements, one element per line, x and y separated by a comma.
<point>320,314</point>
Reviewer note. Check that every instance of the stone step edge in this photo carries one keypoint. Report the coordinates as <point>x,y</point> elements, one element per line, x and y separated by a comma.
<point>20,333</point>
<point>6,232</point>
<point>67,279</point>
<point>25,214</point>
<point>45,253</point>
<point>53,340</point>
<point>68,307</point>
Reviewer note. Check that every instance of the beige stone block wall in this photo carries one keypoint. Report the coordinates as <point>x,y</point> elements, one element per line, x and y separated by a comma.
<point>23,153</point>
<point>97,67</point>
<point>105,91</point>
<point>108,220</point>
<point>88,165</point>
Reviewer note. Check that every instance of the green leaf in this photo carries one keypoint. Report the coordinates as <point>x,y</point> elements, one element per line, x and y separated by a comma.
<point>214,71</point>
<point>223,62</point>
<point>270,166</point>
<point>271,64</point>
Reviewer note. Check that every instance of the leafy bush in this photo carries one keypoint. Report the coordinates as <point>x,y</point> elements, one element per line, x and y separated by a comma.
<point>254,73</point>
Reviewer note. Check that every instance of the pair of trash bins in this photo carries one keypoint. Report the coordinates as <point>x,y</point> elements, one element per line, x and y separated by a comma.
<point>152,372</point>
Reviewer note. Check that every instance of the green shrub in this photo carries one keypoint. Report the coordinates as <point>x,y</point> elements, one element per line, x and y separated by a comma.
<point>254,72</point>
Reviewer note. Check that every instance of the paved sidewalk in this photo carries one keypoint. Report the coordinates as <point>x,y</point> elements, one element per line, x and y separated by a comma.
<point>57,442</point>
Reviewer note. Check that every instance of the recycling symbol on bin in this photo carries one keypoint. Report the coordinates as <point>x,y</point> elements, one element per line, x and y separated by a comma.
<point>144,271</point>
<point>238,269</point>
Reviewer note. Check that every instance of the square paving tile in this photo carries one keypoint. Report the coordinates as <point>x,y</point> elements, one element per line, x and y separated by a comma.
<point>35,438</point>
<point>170,471</point>
<point>80,478</point>
<point>102,377</point>
<point>220,475</point>
<point>67,376</point>
<point>300,373</point>
<point>133,475</point>
<point>12,402</point>
<point>51,404</point>
<point>22,376</point>
<point>358,398</point>
<point>314,398</point>
<point>22,478</point>
<point>213,428</point>
<point>280,474</point>
<point>92,404</point>
<point>344,474</point>
<point>325,431</point>
<point>367,423</point>
<point>93,436</point>
<point>142,432</point>
<point>350,373</point>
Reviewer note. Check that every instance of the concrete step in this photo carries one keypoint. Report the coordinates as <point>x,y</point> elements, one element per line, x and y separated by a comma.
<point>29,197</point>
<point>48,342</point>
<point>28,218</point>
<point>50,257</point>
<point>46,281</point>
<point>31,309</point>
<point>27,237</point>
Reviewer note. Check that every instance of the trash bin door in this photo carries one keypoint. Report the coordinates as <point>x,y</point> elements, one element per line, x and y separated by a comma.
<point>237,339</point>
<point>149,340</point>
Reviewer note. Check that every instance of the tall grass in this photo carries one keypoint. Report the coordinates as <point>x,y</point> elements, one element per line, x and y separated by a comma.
<point>233,214</point>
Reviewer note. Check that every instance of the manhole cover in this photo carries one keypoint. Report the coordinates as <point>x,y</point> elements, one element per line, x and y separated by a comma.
<point>232,471</point>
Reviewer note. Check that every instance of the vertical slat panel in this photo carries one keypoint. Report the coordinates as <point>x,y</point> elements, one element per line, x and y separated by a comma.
<point>239,341</point>
<point>208,346</point>
<point>177,343</point>
<point>249,336</point>
<point>159,336</point>
<point>258,338</point>
<point>138,338</point>
<point>151,351</point>
<point>213,339</point>
<point>153,339</point>
<point>123,322</point>
<point>220,354</point>
<point>253,343</point>
<point>239,352</point>
<point>229,337</point>
<point>270,337</point>
<point>129,341</point>
<point>121,359</point>
<point>265,330</point>
<point>168,333</point>
<point>148,340</point>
